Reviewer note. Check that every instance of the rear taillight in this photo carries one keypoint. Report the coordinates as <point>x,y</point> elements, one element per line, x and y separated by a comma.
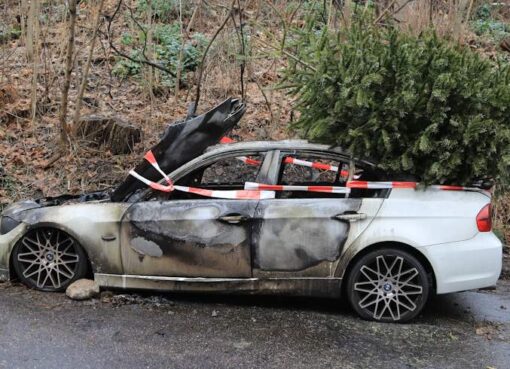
<point>484,219</point>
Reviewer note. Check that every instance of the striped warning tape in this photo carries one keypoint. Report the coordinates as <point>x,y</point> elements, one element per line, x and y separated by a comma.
<point>411,185</point>
<point>231,194</point>
<point>290,160</point>
<point>350,185</point>
<point>380,185</point>
<point>266,187</point>
<point>257,191</point>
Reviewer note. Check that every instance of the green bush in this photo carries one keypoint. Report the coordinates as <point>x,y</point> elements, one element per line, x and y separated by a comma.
<point>167,45</point>
<point>486,25</point>
<point>165,10</point>
<point>416,105</point>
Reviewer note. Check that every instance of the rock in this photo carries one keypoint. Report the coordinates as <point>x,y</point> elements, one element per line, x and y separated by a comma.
<point>112,133</point>
<point>82,289</point>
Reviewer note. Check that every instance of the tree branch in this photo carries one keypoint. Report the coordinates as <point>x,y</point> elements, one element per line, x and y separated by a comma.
<point>201,70</point>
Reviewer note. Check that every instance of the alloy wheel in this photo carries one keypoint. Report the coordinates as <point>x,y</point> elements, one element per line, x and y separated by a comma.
<point>48,259</point>
<point>389,287</point>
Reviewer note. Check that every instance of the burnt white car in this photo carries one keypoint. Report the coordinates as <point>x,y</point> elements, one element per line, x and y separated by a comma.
<point>386,247</point>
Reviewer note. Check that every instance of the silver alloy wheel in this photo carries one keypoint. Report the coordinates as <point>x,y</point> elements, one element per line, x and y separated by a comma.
<point>389,287</point>
<point>48,258</point>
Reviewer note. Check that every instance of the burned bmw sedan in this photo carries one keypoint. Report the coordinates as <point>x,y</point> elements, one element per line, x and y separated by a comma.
<point>207,215</point>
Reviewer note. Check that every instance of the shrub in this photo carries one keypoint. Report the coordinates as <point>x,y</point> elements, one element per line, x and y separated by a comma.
<point>167,46</point>
<point>416,105</point>
<point>165,10</point>
<point>485,24</point>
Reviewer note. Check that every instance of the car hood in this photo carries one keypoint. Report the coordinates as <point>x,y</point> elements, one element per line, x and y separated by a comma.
<point>183,142</point>
<point>18,209</point>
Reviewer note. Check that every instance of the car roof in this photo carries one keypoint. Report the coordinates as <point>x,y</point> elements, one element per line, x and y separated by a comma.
<point>279,145</point>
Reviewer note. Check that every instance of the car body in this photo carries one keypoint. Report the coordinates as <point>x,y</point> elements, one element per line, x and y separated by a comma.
<point>299,243</point>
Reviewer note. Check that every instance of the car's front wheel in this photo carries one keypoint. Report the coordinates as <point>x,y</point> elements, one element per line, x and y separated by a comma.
<point>48,259</point>
<point>388,285</point>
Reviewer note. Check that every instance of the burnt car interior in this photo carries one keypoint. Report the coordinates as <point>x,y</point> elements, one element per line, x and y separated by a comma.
<point>297,175</point>
<point>227,173</point>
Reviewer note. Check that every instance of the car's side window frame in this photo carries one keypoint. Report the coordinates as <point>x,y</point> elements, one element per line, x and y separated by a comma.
<point>279,155</point>
<point>201,162</point>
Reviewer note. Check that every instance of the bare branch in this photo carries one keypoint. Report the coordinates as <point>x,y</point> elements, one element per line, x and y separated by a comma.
<point>202,63</point>
<point>87,65</point>
<point>124,55</point>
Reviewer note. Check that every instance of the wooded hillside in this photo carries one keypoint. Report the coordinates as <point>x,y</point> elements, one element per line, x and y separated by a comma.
<point>87,86</point>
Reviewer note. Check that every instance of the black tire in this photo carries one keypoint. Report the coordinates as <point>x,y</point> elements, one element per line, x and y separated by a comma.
<point>388,285</point>
<point>48,259</point>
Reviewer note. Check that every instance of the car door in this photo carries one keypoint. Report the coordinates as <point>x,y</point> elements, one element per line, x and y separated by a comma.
<point>304,233</point>
<point>187,235</point>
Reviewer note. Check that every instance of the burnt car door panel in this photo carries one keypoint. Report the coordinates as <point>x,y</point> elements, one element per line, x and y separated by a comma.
<point>293,235</point>
<point>192,236</point>
<point>302,234</point>
<point>188,238</point>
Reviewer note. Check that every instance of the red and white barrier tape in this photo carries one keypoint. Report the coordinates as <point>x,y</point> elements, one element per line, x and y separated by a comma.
<point>380,185</point>
<point>411,185</point>
<point>231,194</point>
<point>290,160</point>
<point>266,187</point>
<point>257,191</point>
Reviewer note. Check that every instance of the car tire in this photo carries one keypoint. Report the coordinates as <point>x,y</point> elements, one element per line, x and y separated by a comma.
<point>48,259</point>
<point>388,285</point>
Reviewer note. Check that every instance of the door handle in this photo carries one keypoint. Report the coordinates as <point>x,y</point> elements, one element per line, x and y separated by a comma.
<point>233,218</point>
<point>351,217</point>
<point>108,237</point>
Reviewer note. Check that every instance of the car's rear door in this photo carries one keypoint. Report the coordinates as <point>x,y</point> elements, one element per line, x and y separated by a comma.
<point>303,233</point>
<point>188,235</point>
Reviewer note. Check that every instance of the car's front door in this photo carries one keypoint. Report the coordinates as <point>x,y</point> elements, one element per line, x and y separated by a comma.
<point>187,235</point>
<point>303,233</point>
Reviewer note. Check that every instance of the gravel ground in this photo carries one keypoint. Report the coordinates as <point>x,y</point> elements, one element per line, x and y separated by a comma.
<point>119,330</point>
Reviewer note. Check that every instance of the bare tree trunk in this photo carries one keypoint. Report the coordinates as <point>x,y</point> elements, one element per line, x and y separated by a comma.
<point>431,13</point>
<point>85,74</point>
<point>33,51</point>
<point>150,47</point>
<point>181,52</point>
<point>64,128</point>
<point>23,10</point>
<point>470,9</point>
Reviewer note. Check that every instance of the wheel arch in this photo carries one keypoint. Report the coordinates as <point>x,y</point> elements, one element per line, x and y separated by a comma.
<point>90,267</point>
<point>396,245</point>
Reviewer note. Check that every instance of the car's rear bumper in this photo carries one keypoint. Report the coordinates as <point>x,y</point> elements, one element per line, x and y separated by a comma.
<point>7,242</point>
<point>466,265</point>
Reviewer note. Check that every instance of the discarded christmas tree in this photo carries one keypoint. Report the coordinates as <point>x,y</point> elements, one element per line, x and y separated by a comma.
<point>415,105</point>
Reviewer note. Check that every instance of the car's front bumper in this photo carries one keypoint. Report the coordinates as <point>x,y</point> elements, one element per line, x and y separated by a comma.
<point>7,242</point>
<point>466,265</point>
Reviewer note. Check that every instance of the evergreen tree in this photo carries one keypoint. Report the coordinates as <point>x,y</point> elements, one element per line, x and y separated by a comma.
<point>415,105</point>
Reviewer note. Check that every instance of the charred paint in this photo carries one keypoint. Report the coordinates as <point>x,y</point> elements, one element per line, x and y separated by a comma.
<point>297,234</point>
<point>192,237</point>
<point>87,223</point>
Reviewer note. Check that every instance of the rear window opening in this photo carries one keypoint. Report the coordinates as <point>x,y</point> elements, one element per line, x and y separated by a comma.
<point>301,169</point>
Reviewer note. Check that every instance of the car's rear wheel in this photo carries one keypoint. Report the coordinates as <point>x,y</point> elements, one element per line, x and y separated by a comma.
<point>388,285</point>
<point>48,259</point>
